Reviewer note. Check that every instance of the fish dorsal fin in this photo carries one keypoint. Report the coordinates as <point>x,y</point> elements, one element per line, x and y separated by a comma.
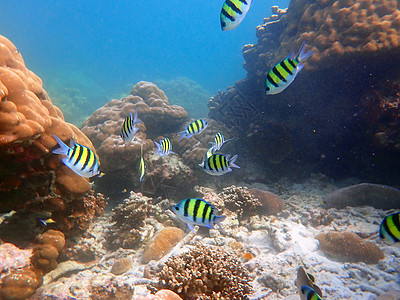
<point>72,143</point>
<point>311,277</point>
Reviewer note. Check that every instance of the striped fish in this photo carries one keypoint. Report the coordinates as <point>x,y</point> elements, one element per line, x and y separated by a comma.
<point>195,211</point>
<point>308,293</point>
<point>141,164</point>
<point>307,279</point>
<point>79,158</point>
<point>218,164</point>
<point>196,127</point>
<point>283,73</point>
<point>129,129</point>
<point>233,13</point>
<point>219,140</point>
<point>164,147</point>
<point>389,230</point>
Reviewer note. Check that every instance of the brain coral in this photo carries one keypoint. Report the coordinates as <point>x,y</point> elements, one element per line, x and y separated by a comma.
<point>27,121</point>
<point>205,273</point>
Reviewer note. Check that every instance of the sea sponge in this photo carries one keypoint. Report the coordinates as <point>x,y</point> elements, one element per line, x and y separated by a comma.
<point>164,241</point>
<point>205,273</point>
<point>349,247</point>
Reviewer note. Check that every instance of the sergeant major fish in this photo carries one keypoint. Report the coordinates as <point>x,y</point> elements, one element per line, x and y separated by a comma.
<point>218,164</point>
<point>219,140</point>
<point>195,211</point>
<point>308,293</point>
<point>129,129</point>
<point>233,13</point>
<point>283,73</point>
<point>195,127</point>
<point>78,158</point>
<point>164,147</point>
<point>141,164</point>
<point>389,230</point>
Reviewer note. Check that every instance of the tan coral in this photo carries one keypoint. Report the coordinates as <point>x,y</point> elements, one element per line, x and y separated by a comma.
<point>28,119</point>
<point>47,248</point>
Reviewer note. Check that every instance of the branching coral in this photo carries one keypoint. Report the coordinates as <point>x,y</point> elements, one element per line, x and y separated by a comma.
<point>205,273</point>
<point>240,201</point>
<point>129,218</point>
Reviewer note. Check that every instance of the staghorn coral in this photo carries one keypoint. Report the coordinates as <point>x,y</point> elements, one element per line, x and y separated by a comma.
<point>130,219</point>
<point>348,246</point>
<point>240,201</point>
<point>205,273</point>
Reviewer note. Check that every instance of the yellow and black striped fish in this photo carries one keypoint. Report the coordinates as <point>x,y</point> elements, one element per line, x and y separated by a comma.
<point>389,230</point>
<point>164,147</point>
<point>219,140</point>
<point>283,73</point>
<point>308,293</point>
<point>141,164</point>
<point>218,164</point>
<point>195,211</point>
<point>79,158</point>
<point>196,127</point>
<point>129,129</point>
<point>233,13</point>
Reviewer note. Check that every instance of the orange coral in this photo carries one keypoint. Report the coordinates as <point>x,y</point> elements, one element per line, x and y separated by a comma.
<point>47,250</point>
<point>27,121</point>
<point>20,284</point>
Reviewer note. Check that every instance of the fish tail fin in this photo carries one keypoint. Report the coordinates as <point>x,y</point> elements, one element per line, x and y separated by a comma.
<point>182,134</point>
<point>218,220</point>
<point>63,147</point>
<point>135,118</point>
<point>232,162</point>
<point>158,147</point>
<point>303,55</point>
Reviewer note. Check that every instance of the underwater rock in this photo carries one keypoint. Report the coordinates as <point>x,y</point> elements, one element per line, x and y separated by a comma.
<point>65,268</point>
<point>164,241</point>
<point>205,272</point>
<point>161,295</point>
<point>392,295</point>
<point>121,266</point>
<point>349,247</point>
<point>11,257</point>
<point>271,204</point>
<point>375,195</point>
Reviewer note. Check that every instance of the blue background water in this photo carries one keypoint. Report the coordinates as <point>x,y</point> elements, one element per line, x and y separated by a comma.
<point>100,48</point>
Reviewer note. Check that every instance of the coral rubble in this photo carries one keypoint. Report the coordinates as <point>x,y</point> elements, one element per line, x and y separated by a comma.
<point>205,273</point>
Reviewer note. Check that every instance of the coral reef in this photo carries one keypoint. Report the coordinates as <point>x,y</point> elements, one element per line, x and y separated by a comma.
<point>28,119</point>
<point>359,97</point>
<point>271,204</point>
<point>129,217</point>
<point>162,243</point>
<point>20,284</point>
<point>47,249</point>
<point>188,94</point>
<point>205,273</point>
<point>375,195</point>
<point>348,246</point>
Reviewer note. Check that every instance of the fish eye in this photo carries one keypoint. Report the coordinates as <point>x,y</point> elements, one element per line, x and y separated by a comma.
<point>176,207</point>
<point>223,24</point>
<point>268,88</point>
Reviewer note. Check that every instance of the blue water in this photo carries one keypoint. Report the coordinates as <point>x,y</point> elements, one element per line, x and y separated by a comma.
<point>102,48</point>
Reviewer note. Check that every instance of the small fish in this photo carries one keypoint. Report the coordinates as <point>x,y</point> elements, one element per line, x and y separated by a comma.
<point>141,164</point>
<point>308,293</point>
<point>79,158</point>
<point>164,147</point>
<point>389,230</point>
<point>283,73</point>
<point>195,211</point>
<point>219,140</point>
<point>219,164</point>
<point>196,127</point>
<point>233,13</point>
<point>124,191</point>
<point>46,221</point>
<point>306,279</point>
<point>247,256</point>
<point>129,129</point>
